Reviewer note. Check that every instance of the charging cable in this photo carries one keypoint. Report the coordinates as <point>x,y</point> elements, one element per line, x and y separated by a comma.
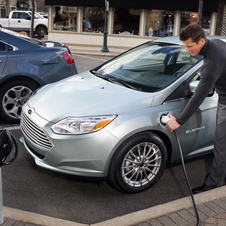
<point>8,145</point>
<point>164,119</point>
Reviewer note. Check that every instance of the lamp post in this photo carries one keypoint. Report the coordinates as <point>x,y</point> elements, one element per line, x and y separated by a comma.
<point>105,48</point>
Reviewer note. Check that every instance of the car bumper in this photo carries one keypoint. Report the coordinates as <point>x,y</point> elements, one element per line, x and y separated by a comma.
<point>83,155</point>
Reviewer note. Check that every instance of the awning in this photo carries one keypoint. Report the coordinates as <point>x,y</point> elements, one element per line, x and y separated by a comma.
<point>191,5</point>
<point>22,5</point>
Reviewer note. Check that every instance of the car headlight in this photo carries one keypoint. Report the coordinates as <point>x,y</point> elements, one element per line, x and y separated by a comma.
<point>82,125</point>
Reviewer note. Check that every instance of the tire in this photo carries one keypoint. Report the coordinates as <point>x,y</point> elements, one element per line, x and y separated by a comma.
<point>138,163</point>
<point>41,31</point>
<point>12,97</point>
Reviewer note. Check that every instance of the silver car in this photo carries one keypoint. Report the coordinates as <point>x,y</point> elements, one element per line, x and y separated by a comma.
<point>106,122</point>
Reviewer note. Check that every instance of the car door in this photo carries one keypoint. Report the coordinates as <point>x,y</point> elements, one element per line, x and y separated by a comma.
<point>21,21</point>
<point>3,56</point>
<point>14,21</point>
<point>197,134</point>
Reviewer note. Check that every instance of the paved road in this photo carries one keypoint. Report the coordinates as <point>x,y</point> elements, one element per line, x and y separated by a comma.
<point>31,188</point>
<point>85,62</point>
<point>28,187</point>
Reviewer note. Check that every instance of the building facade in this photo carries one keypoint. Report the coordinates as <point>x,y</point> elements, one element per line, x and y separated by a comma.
<point>9,5</point>
<point>129,22</point>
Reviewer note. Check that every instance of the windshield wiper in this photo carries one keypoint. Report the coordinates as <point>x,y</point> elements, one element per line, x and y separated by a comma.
<point>99,75</point>
<point>115,81</point>
<point>122,83</point>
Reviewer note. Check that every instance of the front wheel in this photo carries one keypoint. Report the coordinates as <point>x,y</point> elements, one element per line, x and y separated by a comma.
<point>41,31</point>
<point>138,163</point>
<point>12,97</point>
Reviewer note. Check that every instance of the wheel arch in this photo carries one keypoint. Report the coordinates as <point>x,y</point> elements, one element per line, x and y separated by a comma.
<point>161,135</point>
<point>166,141</point>
<point>11,78</point>
<point>113,173</point>
<point>14,93</point>
<point>41,25</point>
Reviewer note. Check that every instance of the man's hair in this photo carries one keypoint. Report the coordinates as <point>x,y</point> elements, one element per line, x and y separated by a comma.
<point>193,31</point>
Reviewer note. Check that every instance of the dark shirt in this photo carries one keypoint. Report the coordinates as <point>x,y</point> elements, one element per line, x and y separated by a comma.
<point>213,74</point>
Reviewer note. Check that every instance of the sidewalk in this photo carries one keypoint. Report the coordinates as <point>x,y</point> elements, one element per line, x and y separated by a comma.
<point>96,51</point>
<point>211,207</point>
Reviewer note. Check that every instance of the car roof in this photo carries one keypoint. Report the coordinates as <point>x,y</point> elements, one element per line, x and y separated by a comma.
<point>17,41</point>
<point>20,35</point>
<point>176,40</point>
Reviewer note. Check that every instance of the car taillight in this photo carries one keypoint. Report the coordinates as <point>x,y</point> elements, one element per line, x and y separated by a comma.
<point>68,58</point>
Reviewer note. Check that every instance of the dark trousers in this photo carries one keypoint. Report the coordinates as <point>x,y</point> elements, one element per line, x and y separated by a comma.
<point>218,171</point>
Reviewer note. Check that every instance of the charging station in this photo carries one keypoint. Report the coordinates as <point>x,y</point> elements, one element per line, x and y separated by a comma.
<point>8,154</point>
<point>1,199</point>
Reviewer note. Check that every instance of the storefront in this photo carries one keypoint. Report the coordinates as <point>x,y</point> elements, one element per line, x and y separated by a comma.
<point>130,22</point>
<point>9,5</point>
<point>22,5</point>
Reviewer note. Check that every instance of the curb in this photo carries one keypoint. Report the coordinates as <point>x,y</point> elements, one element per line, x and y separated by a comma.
<point>125,220</point>
<point>95,53</point>
<point>33,218</point>
<point>164,209</point>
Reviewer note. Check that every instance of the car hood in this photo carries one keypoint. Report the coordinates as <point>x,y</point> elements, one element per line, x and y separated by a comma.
<point>86,95</point>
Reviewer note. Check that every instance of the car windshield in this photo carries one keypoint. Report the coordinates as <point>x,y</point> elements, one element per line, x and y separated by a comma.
<point>37,15</point>
<point>20,35</point>
<point>149,67</point>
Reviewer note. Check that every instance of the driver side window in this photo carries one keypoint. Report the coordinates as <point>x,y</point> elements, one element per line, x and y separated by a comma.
<point>184,90</point>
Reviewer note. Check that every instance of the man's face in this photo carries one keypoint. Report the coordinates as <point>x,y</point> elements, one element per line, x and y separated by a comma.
<point>193,47</point>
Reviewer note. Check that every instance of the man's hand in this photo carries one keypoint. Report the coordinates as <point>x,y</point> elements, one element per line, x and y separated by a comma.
<point>172,123</point>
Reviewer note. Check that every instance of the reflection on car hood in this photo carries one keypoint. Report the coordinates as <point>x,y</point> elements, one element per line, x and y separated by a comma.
<point>84,95</point>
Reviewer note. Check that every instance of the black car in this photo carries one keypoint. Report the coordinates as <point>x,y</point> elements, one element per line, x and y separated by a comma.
<point>25,65</point>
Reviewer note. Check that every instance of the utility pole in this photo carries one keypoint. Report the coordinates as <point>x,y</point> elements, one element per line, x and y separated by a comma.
<point>32,18</point>
<point>200,12</point>
<point>105,48</point>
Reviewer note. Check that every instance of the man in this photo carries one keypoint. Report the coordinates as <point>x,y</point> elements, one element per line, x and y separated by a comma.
<point>213,74</point>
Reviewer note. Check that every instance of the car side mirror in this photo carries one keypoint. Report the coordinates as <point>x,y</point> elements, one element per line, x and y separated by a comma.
<point>193,85</point>
<point>28,18</point>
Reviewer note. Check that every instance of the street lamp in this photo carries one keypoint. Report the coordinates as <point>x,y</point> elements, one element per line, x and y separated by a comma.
<point>105,48</point>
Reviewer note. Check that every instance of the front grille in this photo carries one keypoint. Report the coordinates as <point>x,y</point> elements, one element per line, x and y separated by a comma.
<point>34,133</point>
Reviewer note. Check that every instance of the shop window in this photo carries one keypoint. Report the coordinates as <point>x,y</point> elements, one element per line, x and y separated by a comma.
<point>65,18</point>
<point>188,18</point>
<point>3,12</point>
<point>159,23</point>
<point>93,19</point>
<point>126,21</point>
<point>13,8</point>
<point>192,17</point>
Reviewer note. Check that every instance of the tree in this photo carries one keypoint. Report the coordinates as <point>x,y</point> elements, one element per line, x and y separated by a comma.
<point>200,12</point>
<point>32,18</point>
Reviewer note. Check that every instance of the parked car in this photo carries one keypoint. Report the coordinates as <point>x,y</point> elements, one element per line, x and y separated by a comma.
<point>26,64</point>
<point>106,122</point>
<point>21,21</point>
<point>45,15</point>
<point>41,42</point>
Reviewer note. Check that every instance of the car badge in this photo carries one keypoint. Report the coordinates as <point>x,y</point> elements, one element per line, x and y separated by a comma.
<point>29,111</point>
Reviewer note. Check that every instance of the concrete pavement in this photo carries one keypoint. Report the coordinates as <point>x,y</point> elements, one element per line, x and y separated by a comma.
<point>211,207</point>
<point>87,50</point>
